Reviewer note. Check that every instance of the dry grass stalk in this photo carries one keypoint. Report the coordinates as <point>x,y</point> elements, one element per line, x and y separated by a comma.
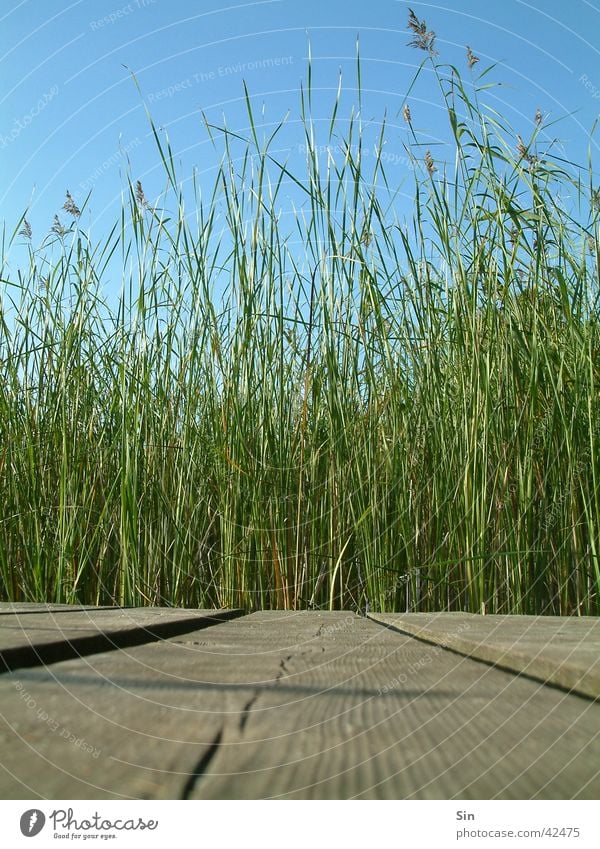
<point>71,207</point>
<point>140,196</point>
<point>424,39</point>
<point>25,229</point>
<point>471,58</point>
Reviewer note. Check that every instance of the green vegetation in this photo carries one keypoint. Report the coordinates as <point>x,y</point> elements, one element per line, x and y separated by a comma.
<point>407,415</point>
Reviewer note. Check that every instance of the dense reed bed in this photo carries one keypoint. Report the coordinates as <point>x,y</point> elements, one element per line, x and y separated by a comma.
<point>404,414</point>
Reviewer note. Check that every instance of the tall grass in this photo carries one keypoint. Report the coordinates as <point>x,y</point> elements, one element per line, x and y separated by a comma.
<point>404,415</point>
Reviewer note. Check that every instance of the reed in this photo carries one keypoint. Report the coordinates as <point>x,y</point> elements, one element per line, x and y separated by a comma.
<point>403,414</point>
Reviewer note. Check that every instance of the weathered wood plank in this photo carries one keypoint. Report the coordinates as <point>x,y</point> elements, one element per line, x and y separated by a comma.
<point>561,650</point>
<point>111,725</point>
<point>88,739</point>
<point>293,705</point>
<point>33,639</point>
<point>373,714</point>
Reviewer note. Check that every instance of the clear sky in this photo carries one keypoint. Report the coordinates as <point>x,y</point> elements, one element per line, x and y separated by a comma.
<point>68,105</point>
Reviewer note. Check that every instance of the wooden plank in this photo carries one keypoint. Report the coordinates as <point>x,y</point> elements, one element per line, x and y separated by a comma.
<point>372,714</point>
<point>34,639</point>
<point>560,650</point>
<point>85,736</point>
<point>293,705</point>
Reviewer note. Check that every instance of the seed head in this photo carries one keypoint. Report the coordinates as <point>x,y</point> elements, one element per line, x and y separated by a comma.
<point>471,58</point>
<point>424,39</point>
<point>366,237</point>
<point>429,164</point>
<point>538,117</point>
<point>71,207</point>
<point>140,196</point>
<point>414,24</point>
<point>406,113</point>
<point>25,229</point>
<point>57,227</point>
<point>522,148</point>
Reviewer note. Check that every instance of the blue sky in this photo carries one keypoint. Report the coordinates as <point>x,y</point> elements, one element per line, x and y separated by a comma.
<point>70,114</point>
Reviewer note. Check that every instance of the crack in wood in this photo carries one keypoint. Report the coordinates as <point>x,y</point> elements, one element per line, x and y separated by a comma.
<point>202,765</point>
<point>283,670</point>
<point>246,710</point>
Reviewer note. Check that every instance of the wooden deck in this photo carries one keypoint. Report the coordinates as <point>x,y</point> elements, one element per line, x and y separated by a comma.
<point>160,703</point>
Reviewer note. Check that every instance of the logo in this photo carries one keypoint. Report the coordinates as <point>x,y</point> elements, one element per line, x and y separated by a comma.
<point>32,822</point>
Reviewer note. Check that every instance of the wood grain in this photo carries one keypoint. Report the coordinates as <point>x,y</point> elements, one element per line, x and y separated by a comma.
<point>48,636</point>
<point>293,705</point>
<point>559,650</point>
